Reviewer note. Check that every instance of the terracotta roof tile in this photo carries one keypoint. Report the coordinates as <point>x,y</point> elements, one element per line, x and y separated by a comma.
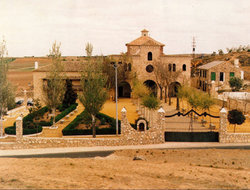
<point>145,40</point>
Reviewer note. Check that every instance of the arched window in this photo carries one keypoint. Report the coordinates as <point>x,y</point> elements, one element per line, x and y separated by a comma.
<point>174,67</point>
<point>169,67</point>
<point>150,56</point>
<point>184,67</point>
<point>129,67</point>
<point>125,67</point>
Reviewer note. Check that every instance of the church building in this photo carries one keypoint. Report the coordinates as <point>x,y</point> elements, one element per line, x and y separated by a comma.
<point>143,52</point>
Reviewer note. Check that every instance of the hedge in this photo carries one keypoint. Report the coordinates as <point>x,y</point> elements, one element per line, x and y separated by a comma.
<point>26,131</point>
<point>60,116</point>
<point>70,129</point>
<point>37,127</point>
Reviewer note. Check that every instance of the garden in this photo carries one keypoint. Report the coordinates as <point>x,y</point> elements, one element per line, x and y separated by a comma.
<point>81,125</point>
<point>33,122</point>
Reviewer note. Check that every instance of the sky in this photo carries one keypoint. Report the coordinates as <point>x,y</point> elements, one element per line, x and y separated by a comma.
<point>31,26</point>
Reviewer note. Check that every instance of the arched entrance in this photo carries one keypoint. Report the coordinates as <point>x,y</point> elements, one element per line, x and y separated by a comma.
<point>173,90</point>
<point>152,86</point>
<point>124,90</point>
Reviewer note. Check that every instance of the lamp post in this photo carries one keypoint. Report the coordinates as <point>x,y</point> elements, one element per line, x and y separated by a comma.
<point>116,94</point>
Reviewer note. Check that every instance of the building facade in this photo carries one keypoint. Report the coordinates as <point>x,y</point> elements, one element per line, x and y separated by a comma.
<point>143,52</point>
<point>215,75</point>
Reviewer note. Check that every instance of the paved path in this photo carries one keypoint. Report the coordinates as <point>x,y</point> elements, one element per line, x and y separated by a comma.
<point>50,132</point>
<point>75,150</point>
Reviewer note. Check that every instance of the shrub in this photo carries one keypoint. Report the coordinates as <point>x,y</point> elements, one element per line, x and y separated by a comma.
<point>151,102</point>
<point>235,83</point>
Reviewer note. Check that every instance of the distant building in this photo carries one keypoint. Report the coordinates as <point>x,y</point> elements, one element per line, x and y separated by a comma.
<point>215,75</point>
<point>143,53</point>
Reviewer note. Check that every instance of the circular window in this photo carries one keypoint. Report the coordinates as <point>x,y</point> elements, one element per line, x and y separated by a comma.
<point>149,68</point>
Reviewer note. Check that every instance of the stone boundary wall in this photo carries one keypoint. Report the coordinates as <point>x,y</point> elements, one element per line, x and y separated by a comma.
<point>235,138</point>
<point>129,136</point>
<point>242,105</point>
<point>225,137</point>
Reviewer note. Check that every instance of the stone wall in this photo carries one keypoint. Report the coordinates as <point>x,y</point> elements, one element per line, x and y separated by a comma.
<point>129,136</point>
<point>225,137</point>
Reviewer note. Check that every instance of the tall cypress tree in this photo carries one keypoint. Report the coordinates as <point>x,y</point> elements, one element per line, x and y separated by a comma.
<point>70,95</point>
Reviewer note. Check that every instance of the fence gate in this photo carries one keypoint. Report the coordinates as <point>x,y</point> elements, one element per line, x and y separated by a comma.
<point>191,127</point>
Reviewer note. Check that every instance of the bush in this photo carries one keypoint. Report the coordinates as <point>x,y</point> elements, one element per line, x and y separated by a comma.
<point>235,83</point>
<point>26,131</point>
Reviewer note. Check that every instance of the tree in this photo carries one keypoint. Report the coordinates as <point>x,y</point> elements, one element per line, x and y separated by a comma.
<point>220,51</point>
<point>7,99</point>
<point>236,117</point>
<point>55,89</point>
<point>235,83</point>
<point>88,49</point>
<point>122,70</point>
<point>70,95</point>
<point>151,102</point>
<point>93,94</point>
<point>165,75</point>
<point>139,89</point>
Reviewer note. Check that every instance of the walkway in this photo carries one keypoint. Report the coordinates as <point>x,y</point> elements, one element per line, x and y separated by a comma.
<point>11,118</point>
<point>50,132</point>
<point>109,108</point>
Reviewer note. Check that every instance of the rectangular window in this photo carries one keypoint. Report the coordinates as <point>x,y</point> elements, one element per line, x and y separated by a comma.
<point>200,73</point>
<point>221,76</point>
<point>231,74</point>
<point>205,74</point>
<point>213,76</point>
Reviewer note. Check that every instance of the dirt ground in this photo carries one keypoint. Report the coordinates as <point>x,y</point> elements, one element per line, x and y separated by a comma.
<point>21,80</point>
<point>159,169</point>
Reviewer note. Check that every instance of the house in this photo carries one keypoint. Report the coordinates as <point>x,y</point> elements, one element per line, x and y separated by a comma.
<point>143,53</point>
<point>215,75</point>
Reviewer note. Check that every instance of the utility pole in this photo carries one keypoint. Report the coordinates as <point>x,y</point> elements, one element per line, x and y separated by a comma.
<point>194,46</point>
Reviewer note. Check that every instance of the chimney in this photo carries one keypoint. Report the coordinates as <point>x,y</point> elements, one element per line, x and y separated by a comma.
<point>36,65</point>
<point>144,32</point>
<point>236,63</point>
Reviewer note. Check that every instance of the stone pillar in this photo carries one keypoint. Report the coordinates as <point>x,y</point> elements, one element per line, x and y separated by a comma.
<point>223,125</point>
<point>123,120</point>
<point>1,127</point>
<point>19,129</point>
<point>161,122</point>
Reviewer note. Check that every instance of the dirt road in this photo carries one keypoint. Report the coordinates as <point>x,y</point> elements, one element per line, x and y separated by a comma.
<point>195,169</point>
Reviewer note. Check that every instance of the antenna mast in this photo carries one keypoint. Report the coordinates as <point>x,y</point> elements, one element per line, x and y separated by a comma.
<point>194,46</point>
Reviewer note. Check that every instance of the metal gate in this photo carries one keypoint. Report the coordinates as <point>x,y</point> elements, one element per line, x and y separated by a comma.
<point>191,127</point>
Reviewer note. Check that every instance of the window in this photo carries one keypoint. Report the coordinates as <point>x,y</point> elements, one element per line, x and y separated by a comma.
<point>205,74</point>
<point>213,76</point>
<point>129,67</point>
<point>184,67</point>
<point>149,68</point>
<point>169,67</point>
<point>231,74</point>
<point>174,67</point>
<point>125,67</point>
<point>200,73</point>
<point>150,56</point>
<point>221,76</point>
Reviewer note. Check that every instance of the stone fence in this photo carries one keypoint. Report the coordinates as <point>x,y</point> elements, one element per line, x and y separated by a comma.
<point>225,137</point>
<point>129,136</point>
